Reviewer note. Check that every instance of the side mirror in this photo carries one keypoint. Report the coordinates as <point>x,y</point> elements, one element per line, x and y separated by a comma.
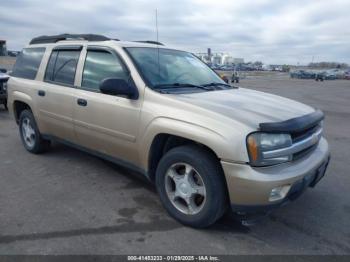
<point>118,87</point>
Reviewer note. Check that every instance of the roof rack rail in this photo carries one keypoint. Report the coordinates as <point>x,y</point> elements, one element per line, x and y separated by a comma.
<point>150,42</point>
<point>46,39</point>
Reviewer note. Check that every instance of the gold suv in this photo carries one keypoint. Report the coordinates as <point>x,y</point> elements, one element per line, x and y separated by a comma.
<point>206,145</point>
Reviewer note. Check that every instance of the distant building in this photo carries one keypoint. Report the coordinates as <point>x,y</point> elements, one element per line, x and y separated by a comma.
<point>204,57</point>
<point>3,50</point>
<point>216,59</point>
<point>227,60</point>
<point>219,59</point>
<point>238,60</point>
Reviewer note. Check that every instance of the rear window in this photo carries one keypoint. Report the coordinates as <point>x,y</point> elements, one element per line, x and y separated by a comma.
<point>61,66</point>
<point>28,62</point>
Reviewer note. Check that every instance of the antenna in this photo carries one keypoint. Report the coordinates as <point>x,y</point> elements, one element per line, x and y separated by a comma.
<point>158,42</point>
<point>157,24</point>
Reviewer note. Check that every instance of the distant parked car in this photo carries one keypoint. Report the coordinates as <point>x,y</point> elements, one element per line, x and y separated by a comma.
<point>330,75</point>
<point>347,75</point>
<point>3,88</point>
<point>326,75</point>
<point>302,74</point>
<point>321,76</point>
<point>336,73</point>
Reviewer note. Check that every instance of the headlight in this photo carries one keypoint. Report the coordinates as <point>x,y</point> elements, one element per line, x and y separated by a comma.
<point>258,143</point>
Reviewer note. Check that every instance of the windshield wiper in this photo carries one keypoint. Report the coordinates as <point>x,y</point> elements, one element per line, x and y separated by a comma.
<point>217,84</point>
<point>175,85</point>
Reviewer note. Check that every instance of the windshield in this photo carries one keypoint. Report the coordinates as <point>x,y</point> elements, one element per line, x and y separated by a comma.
<point>175,68</point>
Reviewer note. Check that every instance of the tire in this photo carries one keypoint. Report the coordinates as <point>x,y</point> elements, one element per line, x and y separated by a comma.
<point>208,205</point>
<point>5,105</point>
<point>30,135</point>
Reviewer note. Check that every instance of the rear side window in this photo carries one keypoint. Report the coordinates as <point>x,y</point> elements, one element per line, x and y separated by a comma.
<point>62,66</point>
<point>28,62</point>
<point>100,65</point>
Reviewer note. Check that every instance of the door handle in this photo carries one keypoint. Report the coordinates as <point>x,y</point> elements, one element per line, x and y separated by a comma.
<point>41,93</point>
<point>82,102</point>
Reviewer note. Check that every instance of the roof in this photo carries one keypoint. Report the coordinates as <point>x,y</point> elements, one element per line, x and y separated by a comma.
<point>109,42</point>
<point>46,39</point>
<point>52,39</point>
<point>105,43</point>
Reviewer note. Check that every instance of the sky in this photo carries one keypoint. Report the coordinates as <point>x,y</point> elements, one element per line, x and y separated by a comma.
<point>275,31</point>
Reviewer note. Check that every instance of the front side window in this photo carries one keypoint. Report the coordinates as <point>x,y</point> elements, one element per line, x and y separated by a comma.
<point>163,66</point>
<point>62,66</point>
<point>28,62</point>
<point>100,65</point>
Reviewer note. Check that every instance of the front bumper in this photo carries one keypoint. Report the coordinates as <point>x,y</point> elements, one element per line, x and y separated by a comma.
<point>249,188</point>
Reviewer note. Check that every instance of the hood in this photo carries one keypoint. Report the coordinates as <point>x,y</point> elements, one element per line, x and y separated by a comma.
<point>247,106</point>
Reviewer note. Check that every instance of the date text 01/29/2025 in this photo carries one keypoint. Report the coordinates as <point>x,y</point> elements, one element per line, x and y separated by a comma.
<point>173,258</point>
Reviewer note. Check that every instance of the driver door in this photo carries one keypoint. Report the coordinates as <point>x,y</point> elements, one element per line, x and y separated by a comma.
<point>105,123</point>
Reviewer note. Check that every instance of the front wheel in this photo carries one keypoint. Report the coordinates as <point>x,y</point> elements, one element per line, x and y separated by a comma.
<point>191,186</point>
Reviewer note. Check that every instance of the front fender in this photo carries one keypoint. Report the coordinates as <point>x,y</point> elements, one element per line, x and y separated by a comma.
<point>200,134</point>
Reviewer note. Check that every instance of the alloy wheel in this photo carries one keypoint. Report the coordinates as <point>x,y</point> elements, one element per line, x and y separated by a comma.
<point>185,188</point>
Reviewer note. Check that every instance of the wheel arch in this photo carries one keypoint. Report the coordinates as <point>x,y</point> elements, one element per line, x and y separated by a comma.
<point>164,134</point>
<point>20,102</point>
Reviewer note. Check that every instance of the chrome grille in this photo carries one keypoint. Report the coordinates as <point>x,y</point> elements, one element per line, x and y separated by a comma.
<point>316,130</point>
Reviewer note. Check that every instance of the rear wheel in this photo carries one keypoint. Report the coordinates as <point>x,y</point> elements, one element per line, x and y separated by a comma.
<point>30,135</point>
<point>191,186</point>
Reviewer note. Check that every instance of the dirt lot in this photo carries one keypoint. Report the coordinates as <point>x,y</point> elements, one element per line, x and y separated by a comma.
<point>68,202</point>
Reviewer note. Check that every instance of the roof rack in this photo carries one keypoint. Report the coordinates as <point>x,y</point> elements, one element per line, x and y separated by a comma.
<point>46,39</point>
<point>150,42</point>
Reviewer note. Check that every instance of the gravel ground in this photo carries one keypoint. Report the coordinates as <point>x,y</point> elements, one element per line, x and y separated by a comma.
<point>68,202</point>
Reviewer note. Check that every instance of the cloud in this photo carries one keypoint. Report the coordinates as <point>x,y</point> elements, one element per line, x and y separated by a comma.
<point>273,31</point>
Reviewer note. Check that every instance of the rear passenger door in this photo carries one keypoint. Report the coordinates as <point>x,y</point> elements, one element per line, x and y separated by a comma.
<point>56,97</point>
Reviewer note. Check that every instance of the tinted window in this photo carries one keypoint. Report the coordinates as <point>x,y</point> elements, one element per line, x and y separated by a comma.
<point>28,62</point>
<point>50,66</point>
<point>61,66</point>
<point>100,65</point>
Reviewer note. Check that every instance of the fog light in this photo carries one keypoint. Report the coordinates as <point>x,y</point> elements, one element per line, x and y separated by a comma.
<point>278,193</point>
